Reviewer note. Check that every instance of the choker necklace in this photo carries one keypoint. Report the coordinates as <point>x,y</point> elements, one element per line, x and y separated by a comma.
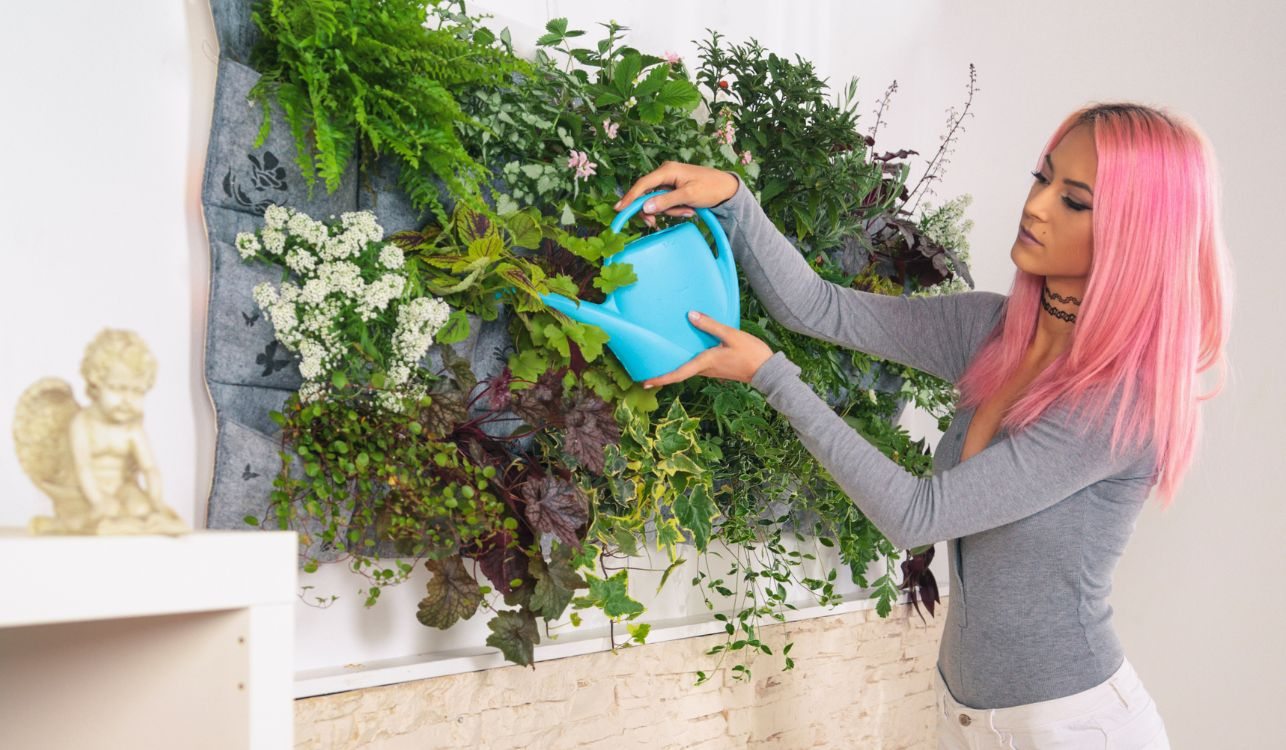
<point>1069,317</point>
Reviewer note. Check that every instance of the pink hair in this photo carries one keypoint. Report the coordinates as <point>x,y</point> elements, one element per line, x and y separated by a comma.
<point>1156,308</point>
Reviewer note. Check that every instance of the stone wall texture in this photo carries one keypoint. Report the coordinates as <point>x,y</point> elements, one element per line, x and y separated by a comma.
<point>859,681</point>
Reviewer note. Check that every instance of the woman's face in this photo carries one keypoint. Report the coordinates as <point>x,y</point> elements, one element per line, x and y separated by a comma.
<point>1058,212</point>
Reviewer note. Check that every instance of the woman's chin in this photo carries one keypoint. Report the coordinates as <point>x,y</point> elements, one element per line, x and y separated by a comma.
<point>1021,255</point>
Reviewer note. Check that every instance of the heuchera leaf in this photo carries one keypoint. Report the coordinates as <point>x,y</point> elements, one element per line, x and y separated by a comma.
<point>453,594</point>
<point>556,506</point>
<point>515,634</point>
<point>556,583</point>
<point>589,428</point>
<point>501,562</point>
<point>446,411</point>
<point>459,367</point>
<point>542,404</point>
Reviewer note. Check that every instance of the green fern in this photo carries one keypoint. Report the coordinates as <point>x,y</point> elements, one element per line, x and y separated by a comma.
<point>369,72</point>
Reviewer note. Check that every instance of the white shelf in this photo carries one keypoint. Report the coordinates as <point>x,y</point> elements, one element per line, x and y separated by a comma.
<point>147,641</point>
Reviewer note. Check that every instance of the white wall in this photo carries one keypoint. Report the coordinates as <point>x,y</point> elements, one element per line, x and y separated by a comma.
<point>107,115</point>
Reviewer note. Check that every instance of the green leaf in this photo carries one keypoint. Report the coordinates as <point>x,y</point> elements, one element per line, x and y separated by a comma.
<point>452,594</point>
<point>653,82</point>
<point>696,510</point>
<point>679,94</point>
<point>339,379</point>
<point>455,329</point>
<point>623,77</point>
<point>612,596</point>
<point>515,634</point>
<point>613,276</point>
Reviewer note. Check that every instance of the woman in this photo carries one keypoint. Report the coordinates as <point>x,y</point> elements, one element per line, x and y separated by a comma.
<point>1077,396</point>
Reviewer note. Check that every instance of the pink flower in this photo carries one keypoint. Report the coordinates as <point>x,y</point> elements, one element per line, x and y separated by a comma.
<point>726,133</point>
<point>672,57</point>
<point>610,128</point>
<point>745,157</point>
<point>580,162</point>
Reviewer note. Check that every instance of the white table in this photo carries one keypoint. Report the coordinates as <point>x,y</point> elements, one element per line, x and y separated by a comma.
<point>147,641</point>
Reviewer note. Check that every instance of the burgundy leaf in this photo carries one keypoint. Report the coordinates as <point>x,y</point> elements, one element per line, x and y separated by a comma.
<point>917,578</point>
<point>556,506</point>
<point>542,404</point>
<point>590,427</point>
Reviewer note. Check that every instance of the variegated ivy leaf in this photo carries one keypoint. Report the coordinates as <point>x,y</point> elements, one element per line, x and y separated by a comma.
<point>696,511</point>
<point>453,594</point>
<point>611,595</point>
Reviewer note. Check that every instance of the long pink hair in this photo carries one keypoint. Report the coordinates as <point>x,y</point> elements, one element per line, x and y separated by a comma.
<point>1157,301</point>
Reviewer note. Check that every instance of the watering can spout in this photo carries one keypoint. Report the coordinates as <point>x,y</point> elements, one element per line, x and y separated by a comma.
<point>593,313</point>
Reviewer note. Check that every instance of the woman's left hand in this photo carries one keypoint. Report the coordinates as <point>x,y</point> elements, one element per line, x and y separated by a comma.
<point>738,356</point>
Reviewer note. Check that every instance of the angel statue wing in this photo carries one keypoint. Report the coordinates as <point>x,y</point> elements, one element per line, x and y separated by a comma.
<point>40,435</point>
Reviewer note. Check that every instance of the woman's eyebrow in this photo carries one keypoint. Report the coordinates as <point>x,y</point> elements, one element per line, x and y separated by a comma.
<point>1050,162</point>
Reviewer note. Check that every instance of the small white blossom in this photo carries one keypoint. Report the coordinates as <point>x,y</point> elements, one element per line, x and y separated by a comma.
<point>265,295</point>
<point>398,374</point>
<point>275,217</point>
<point>289,291</point>
<point>343,277</point>
<point>284,320</point>
<point>378,294</point>
<point>310,391</point>
<point>417,322</point>
<point>300,261</point>
<point>248,245</point>
<point>363,224</point>
<point>274,240</point>
<point>314,291</point>
<point>305,228</point>
<point>391,257</point>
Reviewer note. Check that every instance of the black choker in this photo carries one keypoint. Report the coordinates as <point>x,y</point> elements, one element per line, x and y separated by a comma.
<point>1061,315</point>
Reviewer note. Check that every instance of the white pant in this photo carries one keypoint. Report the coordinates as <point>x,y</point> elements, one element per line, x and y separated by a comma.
<point>1115,715</point>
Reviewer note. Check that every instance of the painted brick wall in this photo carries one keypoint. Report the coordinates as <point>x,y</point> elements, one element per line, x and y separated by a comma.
<point>860,681</point>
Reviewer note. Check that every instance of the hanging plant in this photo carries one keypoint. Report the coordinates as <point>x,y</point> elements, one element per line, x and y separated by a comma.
<point>372,74</point>
<point>611,465</point>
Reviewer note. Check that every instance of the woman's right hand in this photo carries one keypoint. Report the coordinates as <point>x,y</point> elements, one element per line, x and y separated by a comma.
<point>691,186</point>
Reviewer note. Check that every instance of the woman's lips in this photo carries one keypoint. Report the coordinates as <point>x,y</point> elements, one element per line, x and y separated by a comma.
<point>1027,237</point>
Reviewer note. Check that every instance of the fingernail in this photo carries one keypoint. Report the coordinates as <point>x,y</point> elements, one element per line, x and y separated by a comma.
<point>647,385</point>
<point>649,206</point>
<point>694,315</point>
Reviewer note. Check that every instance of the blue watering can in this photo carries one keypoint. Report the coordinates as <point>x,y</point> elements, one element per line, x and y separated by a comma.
<point>647,321</point>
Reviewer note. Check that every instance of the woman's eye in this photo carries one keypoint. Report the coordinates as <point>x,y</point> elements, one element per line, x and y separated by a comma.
<point>1070,203</point>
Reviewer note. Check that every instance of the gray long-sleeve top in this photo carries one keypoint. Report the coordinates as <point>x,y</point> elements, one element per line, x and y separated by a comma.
<point>1034,523</point>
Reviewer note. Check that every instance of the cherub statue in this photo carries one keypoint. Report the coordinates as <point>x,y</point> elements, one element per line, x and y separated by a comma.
<point>90,460</point>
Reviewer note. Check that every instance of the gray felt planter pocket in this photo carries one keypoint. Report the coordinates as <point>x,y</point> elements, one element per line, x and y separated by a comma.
<point>240,177</point>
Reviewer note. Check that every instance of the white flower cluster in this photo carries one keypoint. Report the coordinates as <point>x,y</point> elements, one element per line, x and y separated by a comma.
<point>417,322</point>
<point>945,227</point>
<point>330,292</point>
<point>248,245</point>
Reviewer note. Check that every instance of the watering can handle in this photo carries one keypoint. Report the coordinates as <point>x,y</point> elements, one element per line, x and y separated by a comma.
<point>727,265</point>
<point>716,229</point>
